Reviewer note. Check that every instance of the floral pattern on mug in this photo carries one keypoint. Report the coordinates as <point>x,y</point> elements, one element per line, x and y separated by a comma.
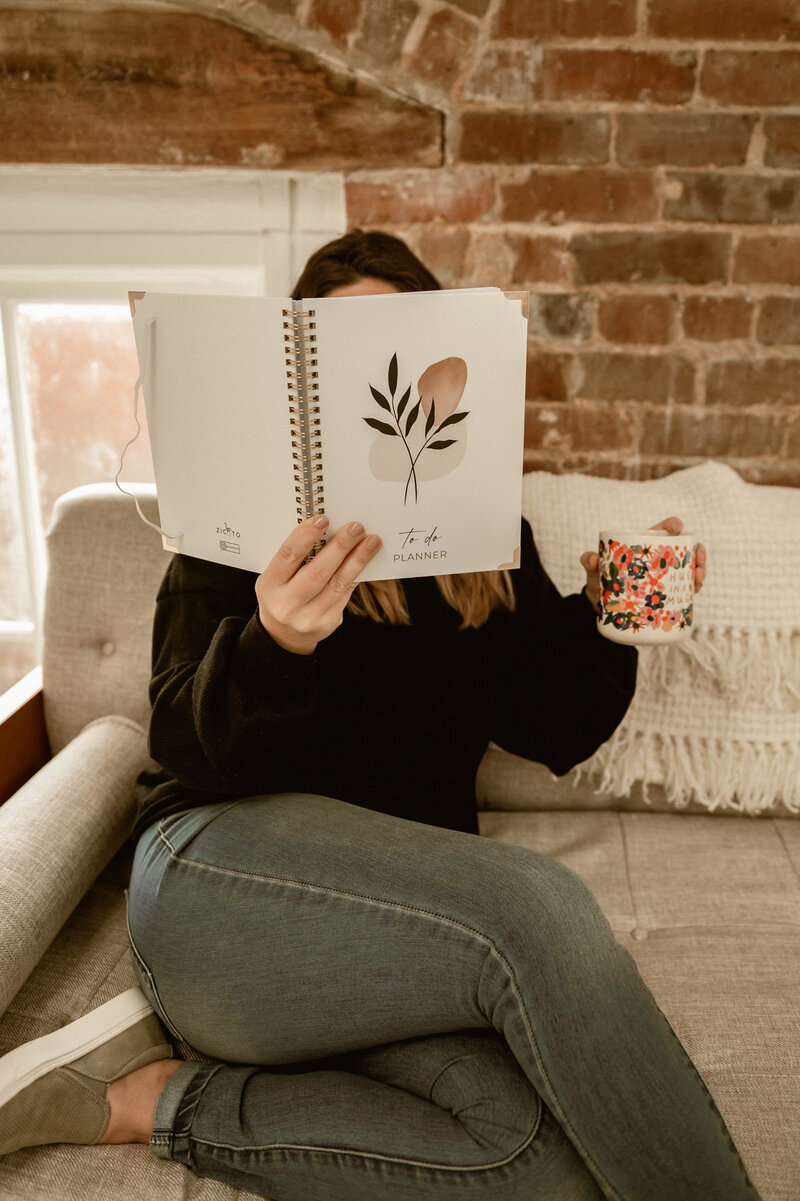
<point>636,582</point>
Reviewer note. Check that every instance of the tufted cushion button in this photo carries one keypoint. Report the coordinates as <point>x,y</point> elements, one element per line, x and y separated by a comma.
<point>107,649</point>
<point>639,932</point>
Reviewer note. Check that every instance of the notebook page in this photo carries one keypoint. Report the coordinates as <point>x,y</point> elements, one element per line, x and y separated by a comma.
<point>215,393</point>
<point>445,495</point>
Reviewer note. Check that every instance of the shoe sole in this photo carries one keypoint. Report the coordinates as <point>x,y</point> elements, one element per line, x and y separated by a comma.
<point>22,1066</point>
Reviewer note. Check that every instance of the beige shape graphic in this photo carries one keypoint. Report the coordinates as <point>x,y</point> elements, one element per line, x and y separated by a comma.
<point>442,383</point>
<point>388,460</point>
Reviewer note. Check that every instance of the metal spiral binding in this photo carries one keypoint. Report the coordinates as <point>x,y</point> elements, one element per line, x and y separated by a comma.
<point>300,347</point>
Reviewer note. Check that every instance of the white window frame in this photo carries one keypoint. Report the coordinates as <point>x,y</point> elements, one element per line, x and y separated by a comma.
<point>88,234</point>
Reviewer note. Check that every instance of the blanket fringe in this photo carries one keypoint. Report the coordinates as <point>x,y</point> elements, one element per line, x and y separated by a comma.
<point>750,665</point>
<point>718,773</point>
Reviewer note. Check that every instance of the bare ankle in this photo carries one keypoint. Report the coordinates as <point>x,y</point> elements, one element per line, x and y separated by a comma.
<point>132,1100</point>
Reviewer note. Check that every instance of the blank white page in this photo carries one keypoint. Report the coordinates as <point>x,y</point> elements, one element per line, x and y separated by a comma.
<point>218,418</point>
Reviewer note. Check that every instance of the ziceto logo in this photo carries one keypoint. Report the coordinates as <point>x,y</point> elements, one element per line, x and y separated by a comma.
<point>226,543</point>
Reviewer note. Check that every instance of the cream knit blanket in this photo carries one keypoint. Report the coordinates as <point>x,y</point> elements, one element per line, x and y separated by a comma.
<point>715,718</point>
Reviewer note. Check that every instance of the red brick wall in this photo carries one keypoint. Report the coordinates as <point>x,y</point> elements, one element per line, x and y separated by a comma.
<point>636,165</point>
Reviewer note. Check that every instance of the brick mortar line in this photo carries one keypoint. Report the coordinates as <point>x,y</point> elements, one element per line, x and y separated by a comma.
<point>680,291</point>
<point>568,230</point>
<point>562,242</point>
<point>615,168</point>
<point>652,43</point>
<point>700,69</point>
<point>688,349</point>
<point>642,12</point>
<point>746,170</point>
<point>585,107</point>
<point>519,172</point>
<point>657,226</point>
<point>775,458</point>
<point>661,171</point>
<point>700,385</point>
<point>612,456</point>
<point>591,107</point>
<point>663,291</point>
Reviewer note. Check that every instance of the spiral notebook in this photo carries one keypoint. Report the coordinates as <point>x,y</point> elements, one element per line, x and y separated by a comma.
<point>403,411</point>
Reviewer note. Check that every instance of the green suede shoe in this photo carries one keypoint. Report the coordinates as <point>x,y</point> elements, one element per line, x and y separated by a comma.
<point>53,1090</point>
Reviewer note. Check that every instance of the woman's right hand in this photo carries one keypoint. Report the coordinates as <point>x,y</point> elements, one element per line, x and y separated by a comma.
<point>300,603</point>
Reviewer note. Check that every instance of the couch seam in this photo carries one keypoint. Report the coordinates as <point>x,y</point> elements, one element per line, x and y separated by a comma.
<point>125,956</point>
<point>628,876</point>
<point>785,845</point>
<point>116,719</point>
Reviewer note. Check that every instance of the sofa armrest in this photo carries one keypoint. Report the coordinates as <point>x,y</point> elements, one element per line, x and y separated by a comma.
<point>57,833</point>
<point>23,738</point>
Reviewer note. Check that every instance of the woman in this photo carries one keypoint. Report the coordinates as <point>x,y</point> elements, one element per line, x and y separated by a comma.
<point>391,1006</point>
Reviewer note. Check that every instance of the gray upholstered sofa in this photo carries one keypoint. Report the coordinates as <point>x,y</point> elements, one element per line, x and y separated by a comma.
<point>705,895</point>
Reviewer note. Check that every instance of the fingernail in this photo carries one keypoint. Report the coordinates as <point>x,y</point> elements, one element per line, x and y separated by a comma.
<point>322,522</point>
<point>355,528</point>
<point>373,542</point>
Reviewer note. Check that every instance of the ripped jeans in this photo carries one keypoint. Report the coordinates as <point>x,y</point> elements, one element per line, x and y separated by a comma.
<point>399,1011</point>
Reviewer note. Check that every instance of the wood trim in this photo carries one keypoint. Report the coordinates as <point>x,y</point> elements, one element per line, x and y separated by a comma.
<point>23,739</point>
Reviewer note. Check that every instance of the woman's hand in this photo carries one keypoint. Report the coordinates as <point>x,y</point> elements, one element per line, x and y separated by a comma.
<point>590,561</point>
<point>300,604</point>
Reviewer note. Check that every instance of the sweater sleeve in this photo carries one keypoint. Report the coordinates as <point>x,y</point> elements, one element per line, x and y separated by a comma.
<point>561,689</point>
<point>230,708</point>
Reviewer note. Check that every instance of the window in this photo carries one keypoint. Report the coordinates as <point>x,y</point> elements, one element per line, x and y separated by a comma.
<point>73,241</point>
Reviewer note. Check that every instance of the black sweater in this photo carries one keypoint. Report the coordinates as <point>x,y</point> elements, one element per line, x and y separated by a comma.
<point>394,718</point>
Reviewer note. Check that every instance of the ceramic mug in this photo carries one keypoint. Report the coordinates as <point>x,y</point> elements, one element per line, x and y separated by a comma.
<point>646,585</point>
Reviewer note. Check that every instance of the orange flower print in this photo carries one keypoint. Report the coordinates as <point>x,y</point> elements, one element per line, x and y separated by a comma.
<point>634,585</point>
<point>662,558</point>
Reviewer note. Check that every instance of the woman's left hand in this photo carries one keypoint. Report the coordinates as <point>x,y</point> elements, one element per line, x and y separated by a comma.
<point>590,561</point>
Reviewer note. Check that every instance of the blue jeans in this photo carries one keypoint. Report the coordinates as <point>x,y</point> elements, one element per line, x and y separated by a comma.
<point>399,1011</point>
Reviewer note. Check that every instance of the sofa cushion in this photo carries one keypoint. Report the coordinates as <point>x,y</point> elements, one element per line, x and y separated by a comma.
<point>56,834</point>
<point>715,722</point>
<point>104,569</point>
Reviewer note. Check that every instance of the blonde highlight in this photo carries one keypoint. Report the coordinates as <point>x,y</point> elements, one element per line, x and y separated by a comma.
<point>473,596</point>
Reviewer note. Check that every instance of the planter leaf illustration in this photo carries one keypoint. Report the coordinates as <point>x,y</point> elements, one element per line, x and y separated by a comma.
<point>380,426</point>
<point>412,416</point>
<point>453,419</point>
<point>381,399</point>
<point>440,385</point>
<point>401,408</point>
<point>429,424</point>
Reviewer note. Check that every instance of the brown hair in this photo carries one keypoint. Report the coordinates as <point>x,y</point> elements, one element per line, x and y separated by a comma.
<point>363,255</point>
<point>372,254</point>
